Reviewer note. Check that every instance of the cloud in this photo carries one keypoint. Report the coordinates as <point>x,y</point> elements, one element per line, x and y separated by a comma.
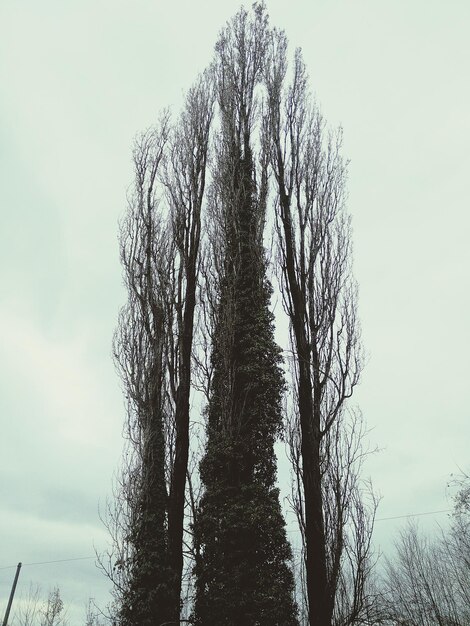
<point>57,374</point>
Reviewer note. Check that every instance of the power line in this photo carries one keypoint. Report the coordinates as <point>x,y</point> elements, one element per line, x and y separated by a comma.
<point>77,558</point>
<point>87,558</point>
<point>383,519</point>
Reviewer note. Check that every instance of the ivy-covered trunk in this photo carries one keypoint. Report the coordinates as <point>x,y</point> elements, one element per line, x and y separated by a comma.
<point>160,242</point>
<point>242,571</point>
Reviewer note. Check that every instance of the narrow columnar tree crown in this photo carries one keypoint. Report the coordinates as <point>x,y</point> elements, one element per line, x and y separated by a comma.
<point>242,571</point>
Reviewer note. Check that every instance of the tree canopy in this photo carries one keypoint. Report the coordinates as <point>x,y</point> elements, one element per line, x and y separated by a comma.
<point>250,149</point>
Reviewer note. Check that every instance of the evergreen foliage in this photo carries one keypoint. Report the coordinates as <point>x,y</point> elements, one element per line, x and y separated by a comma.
<point>151,586</point>
<point>242,570</point>
<point>242,574</point>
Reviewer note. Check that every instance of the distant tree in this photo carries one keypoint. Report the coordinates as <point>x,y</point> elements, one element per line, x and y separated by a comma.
<point>459,537</point>
<point>427,582</point>
<point>32,610</point>
<point>52,612</point>
<point>27,608</point>
<point>334,507</point>
<point>94,616</point>
<point>242,568</point>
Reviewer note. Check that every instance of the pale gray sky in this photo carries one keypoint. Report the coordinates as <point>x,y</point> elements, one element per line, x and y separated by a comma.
<point>77,81</point>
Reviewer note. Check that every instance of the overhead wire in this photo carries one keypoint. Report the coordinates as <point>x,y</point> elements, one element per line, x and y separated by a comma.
<point>76,558</point>
<point>85,558</point>
<point>384,519</point>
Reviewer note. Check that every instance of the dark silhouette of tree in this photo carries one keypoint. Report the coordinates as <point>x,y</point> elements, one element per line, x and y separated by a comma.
<point>319,294</point>
<point>185,183</point>
<point>242,569</point>
<point>255,133</point>
<point>140,348</point>
<point>160,240</point>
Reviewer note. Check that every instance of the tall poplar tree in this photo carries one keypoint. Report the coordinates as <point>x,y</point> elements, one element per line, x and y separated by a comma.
<point>160,240</point>
<point>242,568</point>
<point>335,508</point>
<point>204,182</point>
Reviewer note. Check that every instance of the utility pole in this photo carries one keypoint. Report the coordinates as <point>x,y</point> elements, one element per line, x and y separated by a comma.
<point>12,593</point>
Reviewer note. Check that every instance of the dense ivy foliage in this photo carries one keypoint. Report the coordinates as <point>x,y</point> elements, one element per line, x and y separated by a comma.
<point>151,587</point>
<point>242,572</point>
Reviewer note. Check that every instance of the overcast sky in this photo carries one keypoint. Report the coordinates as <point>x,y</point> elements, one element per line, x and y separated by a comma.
<point>77,81</point>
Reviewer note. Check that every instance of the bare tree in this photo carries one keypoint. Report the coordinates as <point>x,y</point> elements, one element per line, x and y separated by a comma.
<point>185,183</point>
<point>139,350</point>
<point>93,615</point>
<point>52,612</point>
<point>427,583</point>
<point>27,608</point>
<point>160,239</point>
<point>458,540</point>
<point>34,611</point>
<point>320,298</point>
